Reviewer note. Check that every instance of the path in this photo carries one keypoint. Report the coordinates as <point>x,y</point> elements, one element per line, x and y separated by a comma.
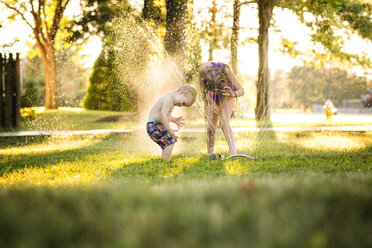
<point>189,130</point>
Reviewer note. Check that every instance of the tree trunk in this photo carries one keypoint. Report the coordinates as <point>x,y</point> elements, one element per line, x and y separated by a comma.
<point>174,41</point>
<point>235,36</point>
<point>148,9</point>
<point>48,58</point>
<point>212,32</point>
<point>265,10</point>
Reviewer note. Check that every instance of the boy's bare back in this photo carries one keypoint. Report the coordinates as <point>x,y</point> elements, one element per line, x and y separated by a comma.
<point>160,116</point>
<point>164,104</point>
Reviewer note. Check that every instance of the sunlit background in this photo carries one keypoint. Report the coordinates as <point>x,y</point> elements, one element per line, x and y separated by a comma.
<point>86,174</point>
<point>17,37</point>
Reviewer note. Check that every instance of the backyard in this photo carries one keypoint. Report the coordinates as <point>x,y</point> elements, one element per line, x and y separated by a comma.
<point>84,83</point>
<point>304,189</point>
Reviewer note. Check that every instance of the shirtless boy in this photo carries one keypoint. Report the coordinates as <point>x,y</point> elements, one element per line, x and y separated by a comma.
<point>160,116</point>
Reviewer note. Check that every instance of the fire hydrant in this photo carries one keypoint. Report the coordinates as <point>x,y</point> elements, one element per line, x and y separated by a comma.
<point>330,109</point>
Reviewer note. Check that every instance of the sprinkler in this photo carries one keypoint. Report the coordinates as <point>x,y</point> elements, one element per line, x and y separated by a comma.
<point>219,157</point>
<point>238,155</point>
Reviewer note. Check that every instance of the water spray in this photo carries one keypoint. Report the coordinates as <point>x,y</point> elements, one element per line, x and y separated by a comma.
<point>169,65</point>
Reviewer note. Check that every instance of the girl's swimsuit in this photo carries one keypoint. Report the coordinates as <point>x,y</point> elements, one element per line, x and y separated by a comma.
<point>217,96</point>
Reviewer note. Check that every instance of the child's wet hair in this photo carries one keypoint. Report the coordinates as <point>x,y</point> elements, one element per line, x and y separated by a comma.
<point>215,79</point>
<point>189,91</point>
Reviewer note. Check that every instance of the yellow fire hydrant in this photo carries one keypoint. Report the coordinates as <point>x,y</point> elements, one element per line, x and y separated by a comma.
<point>330,109</point>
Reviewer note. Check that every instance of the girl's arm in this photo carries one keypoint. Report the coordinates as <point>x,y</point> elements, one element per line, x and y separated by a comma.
<point>234,81</point>
<point>202,70</point>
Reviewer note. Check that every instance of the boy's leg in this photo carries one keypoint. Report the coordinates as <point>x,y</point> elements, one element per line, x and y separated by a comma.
<point>167,152</point>
<point>227,109</point>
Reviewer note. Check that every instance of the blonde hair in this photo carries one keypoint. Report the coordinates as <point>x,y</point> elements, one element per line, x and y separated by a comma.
<point>215,79</point>
<point>189,91</point>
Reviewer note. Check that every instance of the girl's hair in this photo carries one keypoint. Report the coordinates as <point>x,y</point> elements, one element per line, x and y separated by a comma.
<point>215,79</point>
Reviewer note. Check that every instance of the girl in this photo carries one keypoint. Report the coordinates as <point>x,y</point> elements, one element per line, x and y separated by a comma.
<point>220,88</point>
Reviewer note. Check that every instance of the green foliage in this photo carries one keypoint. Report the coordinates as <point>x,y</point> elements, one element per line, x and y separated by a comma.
<point>154,12</point>
<point>32,96</point>
<point>96,18</point>
<point>193,48</point>
<point>118,69</point>
<point>96,97</point>
<point>34,87</point>
<point>347,15</point>
<point>47,13</point>
<point>71,77</point>
<point>106,91</point>
<point>309,85</point>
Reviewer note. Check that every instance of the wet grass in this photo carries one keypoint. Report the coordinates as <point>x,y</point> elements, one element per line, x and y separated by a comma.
<point>80,119</point>
<point>70,119</point>
<point>305,189</point>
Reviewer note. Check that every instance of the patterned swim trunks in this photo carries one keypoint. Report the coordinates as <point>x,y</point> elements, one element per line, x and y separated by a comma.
<point>159,134</point>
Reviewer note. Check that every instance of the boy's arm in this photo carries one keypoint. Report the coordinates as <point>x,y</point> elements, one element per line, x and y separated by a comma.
<point>164,113</point>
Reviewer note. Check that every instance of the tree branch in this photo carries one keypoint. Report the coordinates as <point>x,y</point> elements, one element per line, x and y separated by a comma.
<point>38,31</point>
<point>17,11</point>
<point>42,3</point>
<point>57,17</point>
<point>247,2</point>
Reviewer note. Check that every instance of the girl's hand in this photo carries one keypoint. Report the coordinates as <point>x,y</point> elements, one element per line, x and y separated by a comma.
<point>227,91</point>
<point>178,121</point>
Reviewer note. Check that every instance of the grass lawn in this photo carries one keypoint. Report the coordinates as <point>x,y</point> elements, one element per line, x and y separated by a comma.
<point>70,119</point>
<point>79,119</point>
<point>305,189</point>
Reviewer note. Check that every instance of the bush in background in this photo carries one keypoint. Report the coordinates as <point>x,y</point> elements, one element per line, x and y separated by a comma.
<point>106,91</point>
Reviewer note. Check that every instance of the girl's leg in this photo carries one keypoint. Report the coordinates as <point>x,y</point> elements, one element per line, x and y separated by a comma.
<point>227,109</point>
<point>167,152</point>
<point>213,112</point>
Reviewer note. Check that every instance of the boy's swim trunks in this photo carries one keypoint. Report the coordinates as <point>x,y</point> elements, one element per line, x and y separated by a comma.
<point>159,134</point>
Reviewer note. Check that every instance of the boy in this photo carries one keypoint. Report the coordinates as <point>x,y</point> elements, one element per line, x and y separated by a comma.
<point>158,127</point>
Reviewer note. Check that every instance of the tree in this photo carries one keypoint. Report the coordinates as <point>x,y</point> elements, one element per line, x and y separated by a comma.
<point>153,12</point>
<point>71,77</point>
<point>193,46</point>
<point>212,31</point>
<point>353,16</point>
<point>97,19</point>
<point>215,32</point>
<point>174,40</point>
<point>309,85</point>
<point>124,55</point>
<point>44,18</point>
<point>235,35</point>
<point>265,11</point>
<point>96,97</point>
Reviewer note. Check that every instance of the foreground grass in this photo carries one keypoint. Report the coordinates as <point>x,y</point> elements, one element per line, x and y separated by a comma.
<point>266,213</point>
<point>304,190</point>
